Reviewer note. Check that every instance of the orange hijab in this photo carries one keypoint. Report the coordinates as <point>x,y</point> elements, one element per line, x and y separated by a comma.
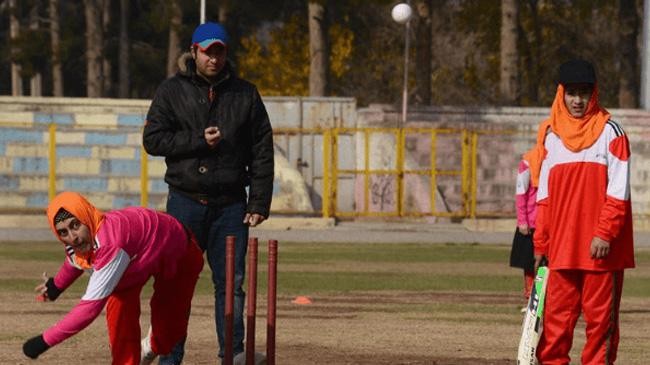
<point>87,214</point>
<point>576,133</point>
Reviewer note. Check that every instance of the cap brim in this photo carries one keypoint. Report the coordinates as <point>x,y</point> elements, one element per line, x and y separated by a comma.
<point>209,43</point>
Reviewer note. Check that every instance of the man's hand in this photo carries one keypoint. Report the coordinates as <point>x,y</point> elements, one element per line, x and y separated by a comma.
<point>253,219</point>
<point>212,136</point>
<point>523,229</point>
<point>599,248</point>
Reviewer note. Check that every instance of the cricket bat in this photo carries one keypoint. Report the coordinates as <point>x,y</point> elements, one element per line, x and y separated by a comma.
<point>531,330</point>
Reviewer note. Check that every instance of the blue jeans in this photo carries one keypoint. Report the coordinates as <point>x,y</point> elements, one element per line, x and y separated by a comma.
<point>211,225</point>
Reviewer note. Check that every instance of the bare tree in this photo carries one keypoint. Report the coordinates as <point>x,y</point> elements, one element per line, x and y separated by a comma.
<point>174,46</point>
<point>318,49</point>
<point>55,44</point>
<point>509,77</point>
<point>628,88</point>
<point>223,8</point>
<point>14,30</point>
<point>36,80</point>
<point>423,33</point>
<point>107,84</point>
<point>124,52</point>
<point>94,43</point>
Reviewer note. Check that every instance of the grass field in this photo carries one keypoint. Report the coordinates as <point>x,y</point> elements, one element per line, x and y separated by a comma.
<point>372,304</point>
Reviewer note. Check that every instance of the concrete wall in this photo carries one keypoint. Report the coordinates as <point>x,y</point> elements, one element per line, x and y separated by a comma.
<point>99,150</point>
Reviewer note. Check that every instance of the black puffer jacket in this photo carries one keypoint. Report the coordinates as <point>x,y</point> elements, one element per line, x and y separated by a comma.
<point>180,112</point>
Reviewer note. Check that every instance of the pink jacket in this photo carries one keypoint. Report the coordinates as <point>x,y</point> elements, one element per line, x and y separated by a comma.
<point>525,197</point>
<point>131,245</point>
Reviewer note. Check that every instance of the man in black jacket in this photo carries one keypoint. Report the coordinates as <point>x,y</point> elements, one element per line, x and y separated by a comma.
<point>215,134</point>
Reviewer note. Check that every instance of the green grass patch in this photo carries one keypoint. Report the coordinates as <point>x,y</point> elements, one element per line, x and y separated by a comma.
<point>345,280</point>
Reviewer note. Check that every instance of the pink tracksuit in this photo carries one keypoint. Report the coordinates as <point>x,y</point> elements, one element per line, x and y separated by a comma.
<point>132,245</point>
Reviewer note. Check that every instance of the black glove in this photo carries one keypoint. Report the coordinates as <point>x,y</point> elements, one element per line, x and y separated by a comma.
<point>35,346</point>
<point>52,291</point>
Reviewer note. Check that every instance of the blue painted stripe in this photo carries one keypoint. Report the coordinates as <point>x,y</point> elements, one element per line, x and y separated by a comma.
<point>96,138</point>
<point>58,118</point>
<point>120,167</point>
<point>73,151</point>
<point>158,186</point>
<point>21,135</point>
<point>130,119</point>
<point>122,201</point>
<point>30,164</point>
<point>37,200</point>
<point>9,182</point>
<point>85,184</point>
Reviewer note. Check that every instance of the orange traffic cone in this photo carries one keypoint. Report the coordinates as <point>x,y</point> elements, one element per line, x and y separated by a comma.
<point>302,300</point>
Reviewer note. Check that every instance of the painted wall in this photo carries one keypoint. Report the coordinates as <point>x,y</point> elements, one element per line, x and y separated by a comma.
<point>99,150</point>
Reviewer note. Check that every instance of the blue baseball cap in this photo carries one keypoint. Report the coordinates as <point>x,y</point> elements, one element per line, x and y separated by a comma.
<point>207,34</point>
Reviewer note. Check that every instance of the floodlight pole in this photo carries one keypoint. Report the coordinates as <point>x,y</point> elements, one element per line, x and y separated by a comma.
<point>405,94</point>
<point>202,11</point>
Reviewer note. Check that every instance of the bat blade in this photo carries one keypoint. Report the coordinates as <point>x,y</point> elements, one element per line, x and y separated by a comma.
<point>531,330</point>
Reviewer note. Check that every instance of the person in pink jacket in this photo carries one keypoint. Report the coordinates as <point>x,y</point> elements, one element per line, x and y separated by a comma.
<point>521,255</point>
<point>121,250</point>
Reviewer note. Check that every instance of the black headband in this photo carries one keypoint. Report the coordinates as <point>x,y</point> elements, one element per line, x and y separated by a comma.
<point>62,215</point>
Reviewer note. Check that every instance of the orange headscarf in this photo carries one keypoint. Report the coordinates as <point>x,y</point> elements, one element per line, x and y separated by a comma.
<point>87,214</point>
<point>576,133</point>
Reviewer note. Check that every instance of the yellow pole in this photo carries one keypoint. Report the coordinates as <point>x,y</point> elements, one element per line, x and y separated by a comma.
<point>474,158</point>
<point>433,181</point>
<point>51,178</point>
<point>465,171</point>
<point>400,170</point>
<point>327,152</point>
<point>144,178</point>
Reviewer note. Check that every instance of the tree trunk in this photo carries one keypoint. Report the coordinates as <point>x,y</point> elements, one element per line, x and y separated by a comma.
<point>124,52</point>
<point>318,50</point>
<point>423,33</point>
<point>509,78</point>
<point>107,71</point>
<point>174,46</point>
<point>36,81</point>
<point>94,42</point>
<point>14,30</point>
<point>628,88</point>
<point>223,9</point>
<point>55,43</point>
<point>532,55</point>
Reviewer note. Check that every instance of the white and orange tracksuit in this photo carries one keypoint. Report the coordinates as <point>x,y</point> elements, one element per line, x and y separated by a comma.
<point>131,245</point>
<point>584,194</point>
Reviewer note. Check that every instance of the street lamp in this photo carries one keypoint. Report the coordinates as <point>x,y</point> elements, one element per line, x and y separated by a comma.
<point>402,14</point>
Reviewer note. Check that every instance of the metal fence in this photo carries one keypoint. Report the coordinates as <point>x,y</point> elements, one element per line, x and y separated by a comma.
<point>349,172</point>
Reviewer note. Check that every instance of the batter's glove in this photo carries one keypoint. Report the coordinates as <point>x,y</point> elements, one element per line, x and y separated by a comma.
<point>35,346</point>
